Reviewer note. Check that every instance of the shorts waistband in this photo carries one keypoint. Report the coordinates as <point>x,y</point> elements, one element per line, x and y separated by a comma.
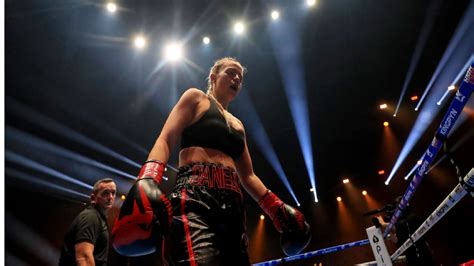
<point>209,175</point>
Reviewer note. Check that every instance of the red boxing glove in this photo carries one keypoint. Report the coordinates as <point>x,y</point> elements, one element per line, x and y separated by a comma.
<point>152,169</point>
<point>145,215</point>
<point>296,232</point>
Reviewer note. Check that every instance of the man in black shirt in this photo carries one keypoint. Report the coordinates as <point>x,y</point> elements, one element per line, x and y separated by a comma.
<point>87,240</point>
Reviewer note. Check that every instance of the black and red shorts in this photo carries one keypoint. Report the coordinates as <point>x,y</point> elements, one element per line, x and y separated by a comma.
<point>208,217</point>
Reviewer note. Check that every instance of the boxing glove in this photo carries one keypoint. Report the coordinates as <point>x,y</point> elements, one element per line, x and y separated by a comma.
<point>295,231</point>
<point>145,215</point>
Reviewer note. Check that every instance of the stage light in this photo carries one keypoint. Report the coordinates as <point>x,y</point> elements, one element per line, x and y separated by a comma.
<point>452,87</point>
<point>339,199</point>
<point>139,42</point>
<point>345,181</point>
<point>173,52</point>
<point>383,106</point>
<point>311,2</point>
<point>385,124</point>
<point>206,40</point>
<point>111,7</point>
<point>239,28</point>
<point>122,197</point>
<point>262,217</point>
<point>419,162</point>
<point>381,172</point>
<point>311,189</point>
<point>275,14</point>
<point>414,98</point>
<point>364,192</point>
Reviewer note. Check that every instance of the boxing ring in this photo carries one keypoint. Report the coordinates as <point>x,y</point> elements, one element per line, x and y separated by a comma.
<point>465,186</point>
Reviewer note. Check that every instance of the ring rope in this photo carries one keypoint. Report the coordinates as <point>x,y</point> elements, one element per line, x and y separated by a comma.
<point>452,199</point>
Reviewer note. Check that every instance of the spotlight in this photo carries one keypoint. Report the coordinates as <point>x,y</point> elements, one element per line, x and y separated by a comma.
<point>381,172</point>
<point>452,87</point>
<point>139,42</point>
<point>122,197</point>
<point>239,28</point>
<point>111,7</point>
<point>339,199</point>
<point>262,217</point>
<point>275,14</point>
<point>414,98</point>
<point>419,162</point>
<point>364,192</point>
<point>173,52</point>
<point>385,124</point>
<point>345,181</point>
<point>383,106</point>
<point>206,40</point>
<point>311,2</point>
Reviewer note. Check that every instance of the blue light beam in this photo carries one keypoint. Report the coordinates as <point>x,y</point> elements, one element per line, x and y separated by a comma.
<point>442,133</point>
<point>286,45</point>
<point>30,241</point>
<point>28,179</point>
<point>423,37</point>
<point>465,26</point>
<point>13,134</point>
<point>459,48</point>
<point>45,122</point>
<point>457,79</point>
<point>411,171</point>
<point>260,136</point>
<point>21,160</point>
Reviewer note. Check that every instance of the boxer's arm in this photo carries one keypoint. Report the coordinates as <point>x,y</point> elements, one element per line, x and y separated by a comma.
<point>180,117</point>
<point>250,181</point>
<point>146,211</point>
<point>286,219</point>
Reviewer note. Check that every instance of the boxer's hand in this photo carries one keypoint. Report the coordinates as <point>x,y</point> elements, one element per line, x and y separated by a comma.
<point>289,221</point>
<point>145,214</point>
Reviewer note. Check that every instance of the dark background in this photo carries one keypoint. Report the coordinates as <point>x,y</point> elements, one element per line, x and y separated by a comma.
<point>70,63</point>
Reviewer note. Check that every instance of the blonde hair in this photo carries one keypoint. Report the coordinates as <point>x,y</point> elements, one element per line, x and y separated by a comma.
<point>210,89</point>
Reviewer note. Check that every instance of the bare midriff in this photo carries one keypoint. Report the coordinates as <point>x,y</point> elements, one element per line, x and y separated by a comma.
<point>204,155</point>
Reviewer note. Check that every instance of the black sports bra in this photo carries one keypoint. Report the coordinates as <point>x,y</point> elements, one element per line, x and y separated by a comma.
<point>211,131</point>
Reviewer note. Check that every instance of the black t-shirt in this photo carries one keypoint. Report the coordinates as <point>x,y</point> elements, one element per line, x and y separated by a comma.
<point>89,226</point>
